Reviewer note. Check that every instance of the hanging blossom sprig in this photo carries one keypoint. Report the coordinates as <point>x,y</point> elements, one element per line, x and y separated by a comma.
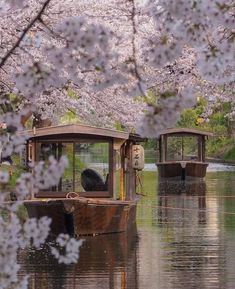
<point>10,231</point>
<point>15,234</point>
<point>41,177</point>
<point>36,78</point>
<point>165,112</point>
<point>11,137</point>
<point>202,25</point>
<point>67,251</point>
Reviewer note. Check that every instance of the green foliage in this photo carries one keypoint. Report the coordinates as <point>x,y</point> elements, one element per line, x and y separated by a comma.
<point>118,126</point>
<point>218,146</point>
<point>69,117</point>
<point>230,155</point>
<point>22,213</point>
<point>14,171</point>
<point>191,117</point>
<point>188,118</point>
<point>221,143</point>
<point>71,93</point>
<point>150,144</point>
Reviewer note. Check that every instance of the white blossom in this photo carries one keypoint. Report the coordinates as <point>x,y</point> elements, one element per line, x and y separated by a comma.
<point>41,177</point>
<point>36,231</point>
<point>70,246</point>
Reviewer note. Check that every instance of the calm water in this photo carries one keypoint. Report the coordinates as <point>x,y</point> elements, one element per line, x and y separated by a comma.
<point>185,238</point>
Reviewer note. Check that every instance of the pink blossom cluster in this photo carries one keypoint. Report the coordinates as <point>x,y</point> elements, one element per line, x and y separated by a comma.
<point>70,247</point>
<point>41,177</point>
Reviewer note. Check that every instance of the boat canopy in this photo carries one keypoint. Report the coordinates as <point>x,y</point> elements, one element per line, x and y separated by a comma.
<point>185,131</point>
<point>72,129</point>
<point>182,144</point>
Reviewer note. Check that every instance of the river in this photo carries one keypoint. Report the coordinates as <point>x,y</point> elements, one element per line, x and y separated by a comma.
<point>185,239</point>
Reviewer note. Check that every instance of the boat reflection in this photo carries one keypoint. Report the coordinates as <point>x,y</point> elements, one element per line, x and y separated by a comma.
<point>193,250</point>
<point>182,200</point>
<point>105,261</point>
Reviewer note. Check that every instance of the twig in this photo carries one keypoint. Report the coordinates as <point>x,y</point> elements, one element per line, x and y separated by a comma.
<point>25,31</point>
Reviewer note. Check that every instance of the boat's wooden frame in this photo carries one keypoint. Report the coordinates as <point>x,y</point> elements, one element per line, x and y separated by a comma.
<point>182,169</point>
<point>94,212</point>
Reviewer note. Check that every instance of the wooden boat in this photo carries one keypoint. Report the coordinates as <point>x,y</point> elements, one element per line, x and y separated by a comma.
<point>176,158</point>
<point>97,192</point>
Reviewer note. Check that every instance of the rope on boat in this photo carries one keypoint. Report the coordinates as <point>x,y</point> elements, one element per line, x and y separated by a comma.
<point>72,195</point>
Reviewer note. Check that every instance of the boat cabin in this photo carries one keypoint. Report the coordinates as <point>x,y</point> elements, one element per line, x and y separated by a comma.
<point>182,153</point>
<point>97,192</point>
<point>100,161</point>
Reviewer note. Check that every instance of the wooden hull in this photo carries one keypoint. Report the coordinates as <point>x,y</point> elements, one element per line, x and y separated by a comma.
<point>182,170</point>
<point>82,216</point>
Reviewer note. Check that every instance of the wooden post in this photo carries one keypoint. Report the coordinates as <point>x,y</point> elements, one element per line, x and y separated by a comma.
<point>74,165</point>
<point>160,149</point>
<point>130,173</point>
<point>164,148</point>
<point>122,179</point>
<point>60,147</point>
<point>199,145</point>
<point>112,167</point>
<point>203,148</point>
<point>182,148</point>
<point>37,151</point>
<point>122,193</point>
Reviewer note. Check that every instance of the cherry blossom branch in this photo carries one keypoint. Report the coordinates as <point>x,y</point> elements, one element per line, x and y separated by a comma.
<point>25,31</point>
<point>133,41</point>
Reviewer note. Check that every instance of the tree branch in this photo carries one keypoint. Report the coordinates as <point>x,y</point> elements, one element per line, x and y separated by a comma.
<point>134,52</point>
<point>25,31</point>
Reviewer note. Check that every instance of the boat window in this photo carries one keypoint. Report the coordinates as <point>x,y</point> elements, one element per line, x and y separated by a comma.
<point>91,166</point>
<point>182,148</point>
<point>88,165</point>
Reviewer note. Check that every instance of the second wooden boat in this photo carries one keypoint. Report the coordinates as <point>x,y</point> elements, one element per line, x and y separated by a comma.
<point>182,153</point>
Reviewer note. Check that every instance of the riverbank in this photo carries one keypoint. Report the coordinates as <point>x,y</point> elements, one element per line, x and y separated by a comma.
<point>221,161</point>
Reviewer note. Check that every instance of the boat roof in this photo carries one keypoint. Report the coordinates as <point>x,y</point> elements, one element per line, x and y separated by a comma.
<point>74,129</point>
<point>185,131</point>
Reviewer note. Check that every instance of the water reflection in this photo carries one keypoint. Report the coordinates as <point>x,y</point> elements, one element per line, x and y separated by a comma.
<point>188,237</point>
<point>193,253</point>
<point>181,200</point>
<point>185,240</point>
<point>106,261</point>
